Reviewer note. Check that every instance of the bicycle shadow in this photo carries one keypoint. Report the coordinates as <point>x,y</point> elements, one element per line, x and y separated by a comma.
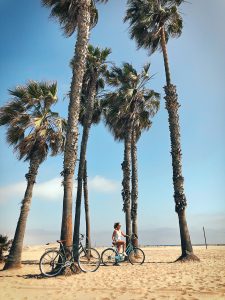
<point>158,262</point>
<point>125,263</point>
<point>32,276</point>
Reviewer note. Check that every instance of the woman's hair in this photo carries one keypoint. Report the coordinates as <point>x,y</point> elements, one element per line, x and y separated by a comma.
<point>116,225</point>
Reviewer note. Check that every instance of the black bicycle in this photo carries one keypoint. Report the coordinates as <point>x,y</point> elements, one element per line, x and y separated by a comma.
<point>54,261</point>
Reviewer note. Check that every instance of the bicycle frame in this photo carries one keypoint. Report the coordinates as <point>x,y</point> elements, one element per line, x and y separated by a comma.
<point>70,249</point>
<point>119,256</point>
<point>129,248</point>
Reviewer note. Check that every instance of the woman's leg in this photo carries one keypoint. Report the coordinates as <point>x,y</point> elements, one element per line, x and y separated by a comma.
<point>119,244</point>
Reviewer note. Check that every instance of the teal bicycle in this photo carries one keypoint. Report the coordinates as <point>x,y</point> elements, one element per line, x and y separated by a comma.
<point>135,255</point>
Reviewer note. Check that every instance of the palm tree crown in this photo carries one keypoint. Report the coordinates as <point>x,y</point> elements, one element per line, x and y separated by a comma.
<point>132,104</point>
<point>67,12</point>
<point>96,65</point>
<point>147,18</point>
<point>32,127</point>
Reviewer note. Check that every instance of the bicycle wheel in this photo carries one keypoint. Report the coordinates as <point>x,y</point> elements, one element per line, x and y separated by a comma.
<point>51,263</point>
<point>108,257</point>
<point>89,260</point>
<point>136,256</point>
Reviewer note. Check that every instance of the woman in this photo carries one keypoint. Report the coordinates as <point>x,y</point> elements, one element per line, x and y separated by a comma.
<point>117,237</point>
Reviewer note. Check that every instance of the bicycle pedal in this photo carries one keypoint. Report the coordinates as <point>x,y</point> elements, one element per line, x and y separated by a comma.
<point>68,263</point>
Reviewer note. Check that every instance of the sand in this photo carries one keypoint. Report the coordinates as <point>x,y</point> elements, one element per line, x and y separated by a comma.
<point>157,278</point>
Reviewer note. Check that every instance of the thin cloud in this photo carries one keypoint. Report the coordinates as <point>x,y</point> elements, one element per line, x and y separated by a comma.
<point>49,190</point>
<point>104,185</point>
<point>11,191</point>
<point>52,190</point>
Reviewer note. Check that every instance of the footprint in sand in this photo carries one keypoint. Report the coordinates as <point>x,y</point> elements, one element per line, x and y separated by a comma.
<point>112,296</point>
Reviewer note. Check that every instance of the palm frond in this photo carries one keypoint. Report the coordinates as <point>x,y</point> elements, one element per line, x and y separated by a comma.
<point>19,92</point>
<point>14,135</point>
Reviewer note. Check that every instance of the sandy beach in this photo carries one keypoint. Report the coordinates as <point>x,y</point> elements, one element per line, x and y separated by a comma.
<point>157,278</point>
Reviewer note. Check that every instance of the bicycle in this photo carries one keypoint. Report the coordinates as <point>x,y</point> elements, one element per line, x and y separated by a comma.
<point>111,256</point>
<point>53,261</point>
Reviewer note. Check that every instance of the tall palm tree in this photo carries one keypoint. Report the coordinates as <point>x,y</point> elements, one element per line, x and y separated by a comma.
<point>127,114</point>
<point>152,23</point>
<point>86,208</point>
<point>96,67</point>
<point>33,129</point>
<point>95,120</point>
<point>80,15</point>
<point>147,107</point>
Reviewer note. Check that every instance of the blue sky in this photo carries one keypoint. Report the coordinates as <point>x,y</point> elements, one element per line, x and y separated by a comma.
<point>33,47</point>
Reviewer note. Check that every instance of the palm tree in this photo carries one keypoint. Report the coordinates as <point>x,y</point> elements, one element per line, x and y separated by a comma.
<point>33,129</point>
<point>147,107</point>
<point>86,207</point>
<point>152,23</point>
<point>127,114</point>
<point>95,120</point>
<point>96,67</point>
<point>80,15</point>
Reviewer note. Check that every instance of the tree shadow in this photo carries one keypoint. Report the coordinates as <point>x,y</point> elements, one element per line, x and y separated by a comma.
<point>26,276</point>
<point>30,262</point>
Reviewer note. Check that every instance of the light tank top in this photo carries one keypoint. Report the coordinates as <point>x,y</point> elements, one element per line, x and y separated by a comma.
<point>118,235</point>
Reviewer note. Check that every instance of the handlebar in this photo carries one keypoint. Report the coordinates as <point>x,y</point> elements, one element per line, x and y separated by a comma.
<point>62,241</point>
<point>81,236</point>
<point>132,236</point>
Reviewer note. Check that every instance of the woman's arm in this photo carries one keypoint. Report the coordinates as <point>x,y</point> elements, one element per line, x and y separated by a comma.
<point>113,235</point>
<point>123,234</point>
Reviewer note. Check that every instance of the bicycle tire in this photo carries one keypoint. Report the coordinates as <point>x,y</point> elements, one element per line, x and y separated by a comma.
<point>136,256</point>
<point>108,257</point>
<point>89,260</point>
<point>51,263</point>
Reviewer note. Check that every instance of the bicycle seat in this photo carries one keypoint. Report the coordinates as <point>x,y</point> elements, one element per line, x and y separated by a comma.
<point>60,241</point>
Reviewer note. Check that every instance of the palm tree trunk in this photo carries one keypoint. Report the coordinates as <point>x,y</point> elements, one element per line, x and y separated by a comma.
<point>70,154</point>
<point>86,206</point>
<point>134,190</point>
<point>14,259</point>
<point>126,195</point>
<point>165,56</point>
<point>172,107</point>
<point>87,125</point>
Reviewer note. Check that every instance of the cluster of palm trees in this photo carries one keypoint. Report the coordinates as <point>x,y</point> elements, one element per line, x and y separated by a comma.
<point>127,110</point>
